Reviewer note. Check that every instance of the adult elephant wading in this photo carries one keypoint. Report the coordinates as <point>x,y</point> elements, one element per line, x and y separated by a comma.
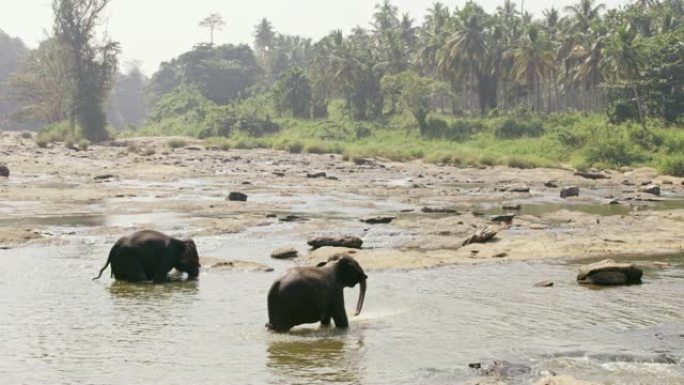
<point>149,255</point>
<point>312,294</point>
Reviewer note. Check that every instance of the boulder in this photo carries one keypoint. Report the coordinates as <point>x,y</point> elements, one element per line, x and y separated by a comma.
<point>285,253</point>
<point>237,197</point>
<point>336,241</point>
<point>650,189</point>
<point>571,191</point>
<point>316,174</point>
<point>4,171</point>
<point>544,284</point>
<point>504,218</point>
<point>103,177</point>
<point>378,220</point>
<point>551,184</point>
<point>292,218</point>
<point>609,273</point>
<point>439,210</point>
<point>516,188</point>
<point>592,175</point>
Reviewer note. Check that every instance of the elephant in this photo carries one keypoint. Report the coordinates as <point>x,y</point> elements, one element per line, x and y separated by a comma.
<point>149,255</point>
<point>314,293</point>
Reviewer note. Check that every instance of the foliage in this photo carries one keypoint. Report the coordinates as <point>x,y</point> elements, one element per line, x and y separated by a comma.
<point>416,93</point>
<point>221,74</point>
<point>90,67</point>
<point>293,93</point>
<point>511,128</point>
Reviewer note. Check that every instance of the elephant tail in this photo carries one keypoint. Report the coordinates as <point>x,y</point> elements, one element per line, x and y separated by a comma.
<point>109,258</point>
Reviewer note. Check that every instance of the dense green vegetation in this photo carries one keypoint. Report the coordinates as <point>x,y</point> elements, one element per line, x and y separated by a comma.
<point>585,86</point>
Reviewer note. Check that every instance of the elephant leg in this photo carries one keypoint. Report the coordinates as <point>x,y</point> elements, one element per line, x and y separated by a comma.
<point>126,266</point>
<point>326,320</point>
<point>339,314</point>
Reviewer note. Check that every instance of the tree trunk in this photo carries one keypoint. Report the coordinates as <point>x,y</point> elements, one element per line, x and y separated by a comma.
<point>638,102</point>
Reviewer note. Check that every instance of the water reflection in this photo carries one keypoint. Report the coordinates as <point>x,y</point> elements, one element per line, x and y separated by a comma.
<point>312,359</point>
<point>149,290</point>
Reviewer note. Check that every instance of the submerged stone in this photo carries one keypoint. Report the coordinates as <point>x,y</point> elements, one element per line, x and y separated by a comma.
<point>336,241</point>
<point>609,273</point>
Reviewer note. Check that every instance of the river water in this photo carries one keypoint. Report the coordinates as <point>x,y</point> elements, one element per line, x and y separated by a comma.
<point>417,327</point>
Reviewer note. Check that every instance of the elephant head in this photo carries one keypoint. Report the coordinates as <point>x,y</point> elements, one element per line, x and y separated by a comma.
<point>348,273</point>
<point>189,259</point>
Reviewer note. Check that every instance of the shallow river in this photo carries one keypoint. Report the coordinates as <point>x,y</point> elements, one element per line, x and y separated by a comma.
<point>418,327</point>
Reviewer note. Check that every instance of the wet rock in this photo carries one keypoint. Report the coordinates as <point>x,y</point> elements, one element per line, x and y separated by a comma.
<point>236,265</point>
<point>570,191</point>
<point>516,188</point>
<point>278,173</point>
<point>439,210</point>
<point>609,273</point>
<point>505,369</point>
<point>237,197</point>
<point>481,236</point>
<point>551,184</point>
<point>511,206</point>
<point>613,202</point>
<point>378,220</point>
<point>293,218</point>
<point>504,218</point>
<point>592,175</point>
<point>544,284</point>
<point>645,183</point>
<point>103,177</point>
<point>316,174</point>
<point>285,253</point>
<point>336,241</point>
<point>475,365</point>
<point>365,162</point>
<point>332,178</point>
<point>4,171</point>
<point>627,183</point>
<point>650,189</point>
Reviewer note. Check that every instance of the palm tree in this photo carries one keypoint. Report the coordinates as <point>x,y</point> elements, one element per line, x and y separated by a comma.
<point>264,37</point>
<point>583,14</point>
<point>623,64</point>
<point>465,51</point>
<point>213,22</point>
<point>532,62</point>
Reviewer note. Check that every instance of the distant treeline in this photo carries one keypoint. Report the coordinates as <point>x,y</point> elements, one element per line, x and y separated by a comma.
<point>627,62</point>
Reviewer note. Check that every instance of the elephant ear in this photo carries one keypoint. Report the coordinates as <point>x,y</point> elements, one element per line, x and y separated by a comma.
<point>190,255</point>
<point>349,271</point>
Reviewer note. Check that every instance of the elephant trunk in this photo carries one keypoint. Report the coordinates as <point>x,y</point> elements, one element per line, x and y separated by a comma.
<point>362,295</point>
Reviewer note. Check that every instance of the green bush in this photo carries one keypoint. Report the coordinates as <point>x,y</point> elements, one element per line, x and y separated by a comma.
<point>672,165</point>
<point>83,144</point>
<point>512,128</point>
<point>614,151</point>
<point>176,143</point>
<point>41,142</point>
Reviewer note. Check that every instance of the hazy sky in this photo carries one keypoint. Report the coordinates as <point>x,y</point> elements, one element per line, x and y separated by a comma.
<point>153,31</point>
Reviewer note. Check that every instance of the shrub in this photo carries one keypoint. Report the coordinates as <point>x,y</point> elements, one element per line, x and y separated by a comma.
<point>672,165</point>
<point>83,144</point>
<point>512,128</point>
<point>614,151</point>
<point>176,143</point>
<point>41,142</point>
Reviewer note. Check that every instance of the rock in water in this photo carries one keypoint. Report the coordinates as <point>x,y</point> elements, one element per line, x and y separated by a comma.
<point>609,273</point>
<point>285,253</point>
<point>571,191</point>
<point>651,189</point>
<point>481,236</point>
<point>316,174</point>
<point>4,171</point>
<point>592,175</point>
<point>340,241</point>
<point>378,220</point>
<point>237,197</point>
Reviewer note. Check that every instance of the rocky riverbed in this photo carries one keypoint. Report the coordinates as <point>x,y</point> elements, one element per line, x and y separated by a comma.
<point>132,183</point>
